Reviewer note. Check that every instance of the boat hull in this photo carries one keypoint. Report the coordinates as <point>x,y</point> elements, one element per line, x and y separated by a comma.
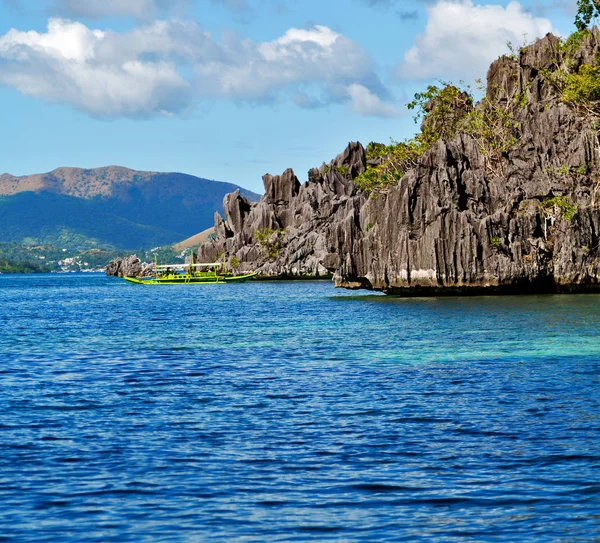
<point>191,280</point>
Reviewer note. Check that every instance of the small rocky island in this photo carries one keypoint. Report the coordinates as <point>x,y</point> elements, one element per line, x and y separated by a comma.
<point>495,196</point>
<point>130,266</point>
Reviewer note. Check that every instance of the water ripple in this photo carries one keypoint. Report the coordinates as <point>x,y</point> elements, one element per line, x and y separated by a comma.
<point>294,412</point>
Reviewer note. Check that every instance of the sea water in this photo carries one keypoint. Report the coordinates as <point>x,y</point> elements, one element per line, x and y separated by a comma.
<point>292,411</point>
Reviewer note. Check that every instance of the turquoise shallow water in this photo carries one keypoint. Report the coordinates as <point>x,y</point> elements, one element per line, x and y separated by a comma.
<point>293,412</point>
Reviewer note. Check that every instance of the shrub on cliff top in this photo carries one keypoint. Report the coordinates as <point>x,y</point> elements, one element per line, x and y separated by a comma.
<point>440,111</point>
<point>443,112</point>
<point>394,161</point>
<point>586,11</point>
<point>578,85</point>
<point>583,88</point>
<point>493,122</point>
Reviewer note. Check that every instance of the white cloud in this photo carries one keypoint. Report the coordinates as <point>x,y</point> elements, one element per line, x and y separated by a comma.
<point>68,41</point>
<point>65,65</point>
<point>363,101</point>
<point>163,67</point>
<point>461,38</point>
<point>251,71</point>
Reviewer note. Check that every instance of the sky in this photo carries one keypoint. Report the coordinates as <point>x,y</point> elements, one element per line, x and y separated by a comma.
<point>233,89</point>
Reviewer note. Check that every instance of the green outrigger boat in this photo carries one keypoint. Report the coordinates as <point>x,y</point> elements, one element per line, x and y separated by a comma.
<point>191,274</point>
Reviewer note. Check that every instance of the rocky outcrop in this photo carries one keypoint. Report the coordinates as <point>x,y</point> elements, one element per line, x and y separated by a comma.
<point>291,231</point>
<point>459,221</point>
<point>455,224</point>
<point>130,266</point>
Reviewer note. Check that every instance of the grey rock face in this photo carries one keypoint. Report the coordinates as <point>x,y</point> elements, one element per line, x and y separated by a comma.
<point>129,266</point>
<point>453,225</point>
<point>289,232</point>
<point>455,222</point>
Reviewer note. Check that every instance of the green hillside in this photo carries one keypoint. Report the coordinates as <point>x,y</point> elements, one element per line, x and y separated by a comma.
<point>10,266</point>
<point>145,210</point>
<point>72,223</point>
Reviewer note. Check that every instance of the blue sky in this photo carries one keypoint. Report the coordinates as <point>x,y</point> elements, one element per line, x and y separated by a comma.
<point>233,89</point>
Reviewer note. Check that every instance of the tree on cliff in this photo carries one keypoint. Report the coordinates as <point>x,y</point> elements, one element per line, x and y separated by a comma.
<point>587,10</point>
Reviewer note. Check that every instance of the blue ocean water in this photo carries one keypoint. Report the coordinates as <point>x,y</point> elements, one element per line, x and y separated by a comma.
<point>294,412</point>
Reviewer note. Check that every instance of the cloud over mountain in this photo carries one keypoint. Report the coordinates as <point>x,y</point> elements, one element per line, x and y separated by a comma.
<point>165,66</point>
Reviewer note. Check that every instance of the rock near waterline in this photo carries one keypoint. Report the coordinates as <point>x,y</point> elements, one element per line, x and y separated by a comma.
<point>130,266</point>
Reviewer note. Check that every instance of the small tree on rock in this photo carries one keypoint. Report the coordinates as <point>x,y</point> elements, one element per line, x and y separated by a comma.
<point>586,11</point>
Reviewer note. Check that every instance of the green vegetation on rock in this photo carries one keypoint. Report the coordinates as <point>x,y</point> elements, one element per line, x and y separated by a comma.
<point>577,84</point>
<point>394,161</point>
<point>586,11</point>
<point>444,112</point>
<point>440,110</point>
<point>493,122</point>
<point>558,206</point>
<point>270,240</point>
<point>583,88</point>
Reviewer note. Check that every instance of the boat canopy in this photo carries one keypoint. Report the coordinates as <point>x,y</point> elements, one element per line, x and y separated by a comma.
<point>184,266</point>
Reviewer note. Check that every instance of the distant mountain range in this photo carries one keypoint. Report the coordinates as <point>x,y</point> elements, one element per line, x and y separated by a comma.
<point>111,207</point>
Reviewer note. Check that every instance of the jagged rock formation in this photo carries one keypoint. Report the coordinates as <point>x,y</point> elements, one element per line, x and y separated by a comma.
<point>457,222</point>
<point>130,266</point>
<point>292,230</point>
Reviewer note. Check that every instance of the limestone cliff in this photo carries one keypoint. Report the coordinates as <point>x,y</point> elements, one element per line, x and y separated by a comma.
<point>293,230</point>
<point>457,221</point>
